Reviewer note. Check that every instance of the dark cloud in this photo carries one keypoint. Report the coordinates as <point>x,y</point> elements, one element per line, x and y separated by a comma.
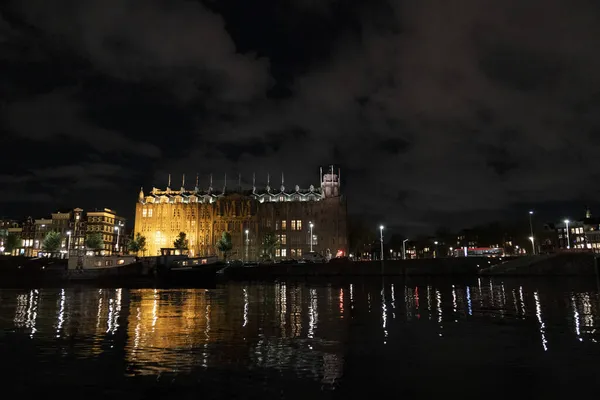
<point>437,114</point>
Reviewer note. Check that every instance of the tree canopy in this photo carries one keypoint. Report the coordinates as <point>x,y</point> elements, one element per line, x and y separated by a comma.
<point>181,242</point>
<point>51,243</point>
<point>224,244</point>
<point>11,242</point>
<point>94,241</point>
<point>137,244</point>
<point>269,243</point>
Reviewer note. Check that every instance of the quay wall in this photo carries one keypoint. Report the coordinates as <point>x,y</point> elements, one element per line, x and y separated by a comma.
<point>425,267</point>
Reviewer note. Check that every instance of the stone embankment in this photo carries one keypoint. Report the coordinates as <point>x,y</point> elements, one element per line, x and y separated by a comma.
<point>423,267</point>
<point>547,265</point>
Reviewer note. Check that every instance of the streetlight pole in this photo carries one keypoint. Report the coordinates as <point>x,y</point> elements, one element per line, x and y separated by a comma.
<point>118,233</point>
<point>436,249</point>
<point>381,240</point>
<point>404,249</point>
<point>568,236</point>
<point>310,224</point>
<point>68,244</point>
<point>247,243</point>
<point>531,229</point>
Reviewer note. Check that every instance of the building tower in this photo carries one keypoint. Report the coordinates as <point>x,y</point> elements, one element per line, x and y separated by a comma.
<point>331,184</point>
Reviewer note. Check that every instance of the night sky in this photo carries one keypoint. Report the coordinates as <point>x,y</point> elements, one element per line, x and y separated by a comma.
<point>438,112</point>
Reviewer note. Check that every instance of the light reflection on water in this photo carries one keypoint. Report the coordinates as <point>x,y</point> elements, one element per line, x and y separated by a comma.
<point>303,329</point>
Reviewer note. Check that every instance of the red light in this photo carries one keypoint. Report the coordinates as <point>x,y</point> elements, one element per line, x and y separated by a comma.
<point>340,253</point>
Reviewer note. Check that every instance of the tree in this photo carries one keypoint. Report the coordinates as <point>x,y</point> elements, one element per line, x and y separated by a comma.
<point>51,242</point>
<point>224,244</point>
<point>181,243</point>
<point>138,244</point>
<point>270,242</point>
<point>11,242</point>
<point>94,241</point>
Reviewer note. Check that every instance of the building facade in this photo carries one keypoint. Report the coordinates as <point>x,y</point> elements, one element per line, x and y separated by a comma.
<point>74,226</point>
<point>111,226</point>
<point>249,216</point>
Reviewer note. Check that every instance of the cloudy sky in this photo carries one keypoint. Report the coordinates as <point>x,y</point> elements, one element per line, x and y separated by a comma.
<point>438,112</point>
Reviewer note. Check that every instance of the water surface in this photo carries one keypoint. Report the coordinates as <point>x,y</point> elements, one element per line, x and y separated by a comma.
<point>489,338</point>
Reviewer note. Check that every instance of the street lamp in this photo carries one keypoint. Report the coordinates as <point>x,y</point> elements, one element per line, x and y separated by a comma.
<point>531,229</point>
<point>404,249</point>
<point>381,240</point>
<point>568,236</point>
<point>118,232</point>
<point>247,242</point>
<point>310,224</point>
<point>531,238</point>
<point>68,243</point>
<point>436,249</point>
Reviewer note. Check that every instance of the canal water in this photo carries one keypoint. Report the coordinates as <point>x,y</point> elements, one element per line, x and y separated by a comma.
<point>487,338</point>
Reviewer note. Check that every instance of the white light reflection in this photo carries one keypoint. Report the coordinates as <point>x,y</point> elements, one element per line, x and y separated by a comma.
<point>469,304</point>
<point>352,293</point>
<point>99,313</point>
<point>538,313</point>
<point>515,301</point>
<point>21,310</point>
<point>283,307</point>
<point>111,310</point>
<point>576,319</point>
<point>341,301</point>
<point>154,309</point>
<point>61,313</point>
<point>454,299</point>
<point>313,314</point>
<point>207,336</point>
<point>138,327</point>
<point>393,302</point>
<point>522,302</point>
<point>588,313</point>
<point>438,296</point>
<point>429,301</point>
<point>384,317</point>
<point>245,307</point>
<point>32,311</point>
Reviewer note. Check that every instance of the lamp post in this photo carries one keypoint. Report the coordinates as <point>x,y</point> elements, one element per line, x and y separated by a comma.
<point>118,233</point>
<point>310,224</point>
<point>436,249</point>
<point>68,244</point>
<point>247,243</point>
<point>531,230</point>
<point>568,236</point>
<point>381,240</point>
<point>404,249</point>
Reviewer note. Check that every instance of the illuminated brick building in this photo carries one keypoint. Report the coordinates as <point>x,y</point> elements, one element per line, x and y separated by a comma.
<point>205,214</point>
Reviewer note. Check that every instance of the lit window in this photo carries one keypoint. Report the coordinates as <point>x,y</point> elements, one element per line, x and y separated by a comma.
<point>277,252</point>
<point>299,252</point>
<point>283,239</point>
<point>293,224</point>
<point>299,225</point>
<point>283,252</point>
<point>149,213</point>
<point>283,225</point>
<point>293,252</point>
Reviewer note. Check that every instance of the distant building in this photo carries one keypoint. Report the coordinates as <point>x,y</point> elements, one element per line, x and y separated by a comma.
<point>582,234</point>
<point>205,214</point>
<point>74,226</point>
<point>110,226</point>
